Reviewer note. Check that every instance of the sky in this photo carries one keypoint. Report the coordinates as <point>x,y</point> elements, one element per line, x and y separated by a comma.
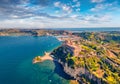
<point>59,13</point>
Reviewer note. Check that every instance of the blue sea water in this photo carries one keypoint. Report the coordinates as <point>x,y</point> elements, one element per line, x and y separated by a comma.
<point>16,54</point>
<point>100,29</point>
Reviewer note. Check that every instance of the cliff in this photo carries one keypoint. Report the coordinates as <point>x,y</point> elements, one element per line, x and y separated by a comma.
<point>89,62</point>
<point>62,54</point>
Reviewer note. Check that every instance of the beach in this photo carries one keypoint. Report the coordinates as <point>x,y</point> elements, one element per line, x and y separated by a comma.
<point>42,58</point>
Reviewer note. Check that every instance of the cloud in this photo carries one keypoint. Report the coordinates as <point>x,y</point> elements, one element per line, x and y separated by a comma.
<point>9,9</point>
<point>57,4</point>
<point>24,11</point>
<point>97,18</point>
<point>105,6</point>
<point>12,9</point>
<point>92,18</point>
<point>78,9</point>
<point>97,1</point>
<point>74,21</point>
<point>77,4</point>
<point>36,13</point>
<point>98,7</point>
<point>65,8</point>
<point>75,0</point>
<point>68,8</point>
<point>22,23</point>
<point>40,2</point>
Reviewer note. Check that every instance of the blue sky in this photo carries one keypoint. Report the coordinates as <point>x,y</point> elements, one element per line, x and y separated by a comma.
<point>59,13</point>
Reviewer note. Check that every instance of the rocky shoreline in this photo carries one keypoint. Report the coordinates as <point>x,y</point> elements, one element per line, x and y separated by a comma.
<point>88,61</point>
<point>74,73</point>
<point>84,62</point>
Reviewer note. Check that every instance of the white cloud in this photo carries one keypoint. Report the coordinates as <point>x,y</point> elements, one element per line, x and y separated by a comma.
<point>77,4</point>
<point>65,8</point>
<point>74,21</point>
<point>57,4</point>
<point>97,18</point>
<point>78,10</point>
<point>24,1</point>
<point>106,18</point>
<point>100,7</point>
<point>36,16</point>
<point>22,23</point>
<point>68,8</point>
<point>75,0</point>
<point>97,1</point>
<point>57,12</point>
<point>97,7</point>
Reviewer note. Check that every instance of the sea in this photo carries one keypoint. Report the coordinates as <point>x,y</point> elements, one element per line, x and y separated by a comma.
<point>16,67</point>
<point>99,29</point>
<point>17,53</point>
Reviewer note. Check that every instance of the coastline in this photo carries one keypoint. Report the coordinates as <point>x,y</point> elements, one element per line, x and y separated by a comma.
<point>73,54</point>
<point>66,41</point>
<point>46,56</point>
<point>42,58</point>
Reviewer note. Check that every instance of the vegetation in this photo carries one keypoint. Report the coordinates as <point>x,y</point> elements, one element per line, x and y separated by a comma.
<point>38,58</point>
<point>73,82</point>
<point>99,57</point>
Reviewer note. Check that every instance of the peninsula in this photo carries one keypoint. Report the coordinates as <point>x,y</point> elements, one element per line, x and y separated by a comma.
<point>88,57</point>
<point>42,58</point>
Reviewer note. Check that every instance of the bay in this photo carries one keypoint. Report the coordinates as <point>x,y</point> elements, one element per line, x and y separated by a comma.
<point>16,54</point>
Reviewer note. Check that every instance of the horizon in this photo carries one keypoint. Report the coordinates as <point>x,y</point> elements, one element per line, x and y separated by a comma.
<point>64,28</point>
<point>59,13</point>
<point>59,28</point>
<point>93,29</point>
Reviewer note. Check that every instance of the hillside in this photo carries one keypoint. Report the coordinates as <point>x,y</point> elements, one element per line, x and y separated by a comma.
<point>91,58</point>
